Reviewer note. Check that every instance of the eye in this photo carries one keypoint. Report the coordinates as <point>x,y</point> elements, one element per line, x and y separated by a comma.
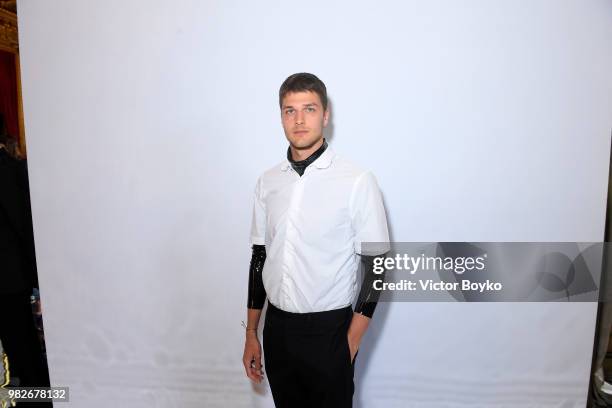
<point>310,109</point>
<point>289,111</point>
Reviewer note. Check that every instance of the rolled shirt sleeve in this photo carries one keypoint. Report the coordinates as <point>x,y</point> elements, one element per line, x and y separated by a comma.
<point>258,223</point>
<point>368,217</point>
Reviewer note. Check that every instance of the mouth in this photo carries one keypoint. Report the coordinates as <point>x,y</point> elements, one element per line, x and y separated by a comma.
<point>300,132</point>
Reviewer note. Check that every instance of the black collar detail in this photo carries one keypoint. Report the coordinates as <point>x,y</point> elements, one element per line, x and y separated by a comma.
<point>300,166</point>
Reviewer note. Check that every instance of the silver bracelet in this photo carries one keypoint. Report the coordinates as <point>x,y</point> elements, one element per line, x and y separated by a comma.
<point>248,328</point>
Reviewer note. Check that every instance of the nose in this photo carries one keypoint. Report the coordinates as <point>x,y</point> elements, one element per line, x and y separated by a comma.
<point>299,117</point>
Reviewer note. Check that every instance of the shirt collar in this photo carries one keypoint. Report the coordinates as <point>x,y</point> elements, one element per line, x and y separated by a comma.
<point>322,162</point>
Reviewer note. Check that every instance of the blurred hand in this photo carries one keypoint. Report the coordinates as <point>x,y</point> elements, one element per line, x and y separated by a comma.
<point>252,357</point>
<point>353,347</point>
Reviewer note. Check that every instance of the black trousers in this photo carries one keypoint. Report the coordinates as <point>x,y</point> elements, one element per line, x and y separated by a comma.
<point>307,358</point>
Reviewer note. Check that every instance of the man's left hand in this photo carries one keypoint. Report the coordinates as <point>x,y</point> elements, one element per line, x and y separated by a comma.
<point>353,347</point>
<point>358,327</point>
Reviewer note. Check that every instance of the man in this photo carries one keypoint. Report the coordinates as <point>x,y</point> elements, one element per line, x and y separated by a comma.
<point>18,275</point>
<point>311,214</point>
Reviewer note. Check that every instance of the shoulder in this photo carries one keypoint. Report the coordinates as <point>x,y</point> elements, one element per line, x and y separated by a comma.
<point>5,158</point>
<point>350,169</point>
<point>361,180</point>
<point>271,176</point>
<point>12,165</point>
<point>274,171</point>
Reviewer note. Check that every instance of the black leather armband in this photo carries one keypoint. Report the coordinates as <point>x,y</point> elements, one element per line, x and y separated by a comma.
<point>368,296</point>
<point>257,292</point>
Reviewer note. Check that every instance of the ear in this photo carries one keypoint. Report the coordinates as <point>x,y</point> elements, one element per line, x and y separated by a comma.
<point>325,117</point>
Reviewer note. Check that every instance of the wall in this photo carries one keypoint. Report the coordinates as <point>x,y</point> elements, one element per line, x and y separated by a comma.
<point>148,122</point>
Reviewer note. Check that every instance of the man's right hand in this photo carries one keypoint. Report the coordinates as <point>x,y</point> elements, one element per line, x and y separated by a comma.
<point>252,357</point>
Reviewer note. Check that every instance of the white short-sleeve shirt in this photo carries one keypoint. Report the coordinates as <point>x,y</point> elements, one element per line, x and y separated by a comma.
<point>313,227</point>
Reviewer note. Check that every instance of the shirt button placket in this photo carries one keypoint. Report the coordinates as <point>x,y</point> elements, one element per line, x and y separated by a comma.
<point>290,232</point>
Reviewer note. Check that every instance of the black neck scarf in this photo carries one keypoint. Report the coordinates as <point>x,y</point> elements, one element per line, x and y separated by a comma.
<point>300,166</point>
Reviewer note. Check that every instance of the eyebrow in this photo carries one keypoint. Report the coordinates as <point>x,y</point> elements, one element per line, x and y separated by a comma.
<point>304,105</point>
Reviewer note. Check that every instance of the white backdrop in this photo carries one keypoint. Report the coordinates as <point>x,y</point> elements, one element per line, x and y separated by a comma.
<point>148,123</point>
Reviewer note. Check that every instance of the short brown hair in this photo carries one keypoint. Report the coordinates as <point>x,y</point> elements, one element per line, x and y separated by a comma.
<point>303,82</point>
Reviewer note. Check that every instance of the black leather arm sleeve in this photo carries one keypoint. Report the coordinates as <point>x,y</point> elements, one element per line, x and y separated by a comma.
<point>257,292</point>
<point>368,296</point>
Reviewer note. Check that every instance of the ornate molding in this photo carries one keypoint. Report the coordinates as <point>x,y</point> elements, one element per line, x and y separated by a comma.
<point>8,30</point>
<point>10,5</point>
<point>9,41</point>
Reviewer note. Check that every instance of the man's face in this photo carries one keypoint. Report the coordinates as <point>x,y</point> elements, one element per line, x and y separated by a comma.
<point>303,119</point>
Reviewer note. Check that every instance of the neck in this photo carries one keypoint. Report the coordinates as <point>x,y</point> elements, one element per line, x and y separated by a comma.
<point>303,154</point>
